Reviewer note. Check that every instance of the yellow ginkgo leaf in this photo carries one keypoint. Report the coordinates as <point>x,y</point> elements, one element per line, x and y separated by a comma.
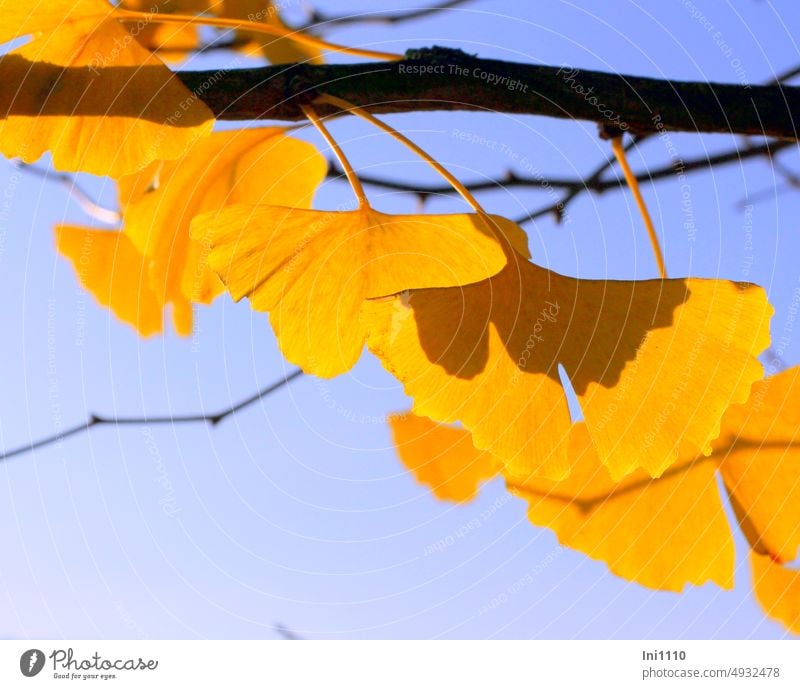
<point>312,270</point>
<point>85,90</point>
<point>25,18</point>
<point>440,457</point>
<point>670,531</point>
<point>278,50</point>
<point>777,589</point>
<point>759,455</point>
<point>109,266</point>
<point>663,533</point>
<point>176,41</point>
<point>256,165</point>
<point>654,363</point>
<point>170,41</point>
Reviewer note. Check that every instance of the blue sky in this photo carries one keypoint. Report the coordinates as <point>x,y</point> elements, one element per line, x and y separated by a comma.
<point>297,511</point>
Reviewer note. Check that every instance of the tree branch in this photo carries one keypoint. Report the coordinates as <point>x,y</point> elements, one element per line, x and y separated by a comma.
<point>512,179</point>
<point>446,79</point>
<point>95,420</point>
<point>768,149</point>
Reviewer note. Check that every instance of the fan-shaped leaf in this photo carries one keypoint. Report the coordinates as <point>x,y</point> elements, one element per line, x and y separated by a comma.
<point>777,589</point>
<point>645,358</point>
<point>85,90</point>
<point>440,457</point>
<point>236,166</point>
<point>312,270</point>
<point>109,266</point>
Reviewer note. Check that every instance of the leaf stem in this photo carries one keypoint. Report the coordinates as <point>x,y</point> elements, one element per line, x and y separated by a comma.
<point>352,177</point>
<point>630,178</point>
<point>257,27</point>
<point>369,117</point>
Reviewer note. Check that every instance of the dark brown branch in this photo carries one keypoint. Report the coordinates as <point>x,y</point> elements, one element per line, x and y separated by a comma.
<point>95,420</point>
<point>445,79</point>
<point>559,206</point>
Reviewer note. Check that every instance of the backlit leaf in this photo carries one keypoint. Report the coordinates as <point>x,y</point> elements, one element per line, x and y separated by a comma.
<point>109,266</point>
<point>759,455</point>
<point>777,589</point>
<point>24,18</point>
<point>85,90</point>
<point>440,457</point>
<point>663,533</point>
<point>312,270</point>
<point>176,41</point>
<point>257,165</point>
<point>654,363</point>
<point>171,41</point>
<point>277,50</point>
<point>670,531</point>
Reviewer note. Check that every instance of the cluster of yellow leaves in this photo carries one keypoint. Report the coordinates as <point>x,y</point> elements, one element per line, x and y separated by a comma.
<point>315,270</point>
<point>450,304</point>
<point>488,356</point>
<point>87,86</point>
<point>665,532</point>
<point>85,90</point>
<point>153,261</point>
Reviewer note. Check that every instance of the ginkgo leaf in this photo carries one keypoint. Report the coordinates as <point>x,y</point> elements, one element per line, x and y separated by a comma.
<point>440,457</point>
<point>109,266</point>
<point>777,589</point>
<point>312,270</point>
<point>171,41</point>
<point>256,165</point>
<point>654,363</point>
<point>278,50</point>
<point>24,18</point>
<point>176,41</point>
<point>663,533</point>
<point>759,455</point>
<point>86,91</point>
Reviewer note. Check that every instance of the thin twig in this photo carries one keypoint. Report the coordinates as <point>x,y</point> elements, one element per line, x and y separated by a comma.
<point>593,182</point>
<point>89,206</point>
<point>327,22</point>
<point>590,183</point>
<point>96,420</point>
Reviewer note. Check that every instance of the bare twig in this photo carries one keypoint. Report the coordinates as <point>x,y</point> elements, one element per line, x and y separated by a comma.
<point>593,182</point>
<point>89,206</point>
<point>319,20</point>
<point>96,420</point>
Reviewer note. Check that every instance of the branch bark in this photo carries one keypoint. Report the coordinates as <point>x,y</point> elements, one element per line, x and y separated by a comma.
<point>446,79</point>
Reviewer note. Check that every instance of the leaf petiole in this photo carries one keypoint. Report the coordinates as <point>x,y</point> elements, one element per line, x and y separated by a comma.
<point>352,177</point>
<point>346,106</point>
<point>630,178</point>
